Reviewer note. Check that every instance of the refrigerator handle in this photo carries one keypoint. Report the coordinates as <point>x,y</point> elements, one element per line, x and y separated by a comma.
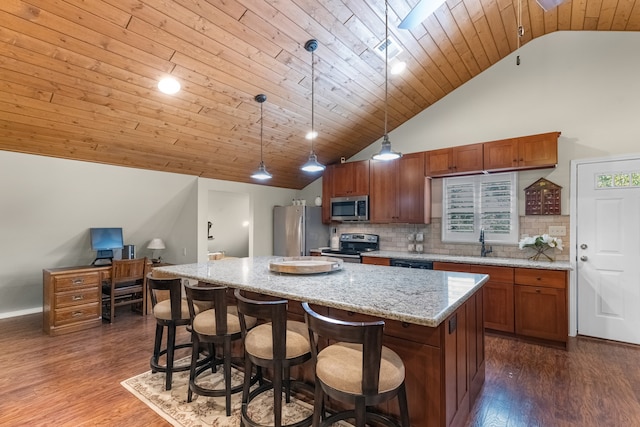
<point>301,235</point>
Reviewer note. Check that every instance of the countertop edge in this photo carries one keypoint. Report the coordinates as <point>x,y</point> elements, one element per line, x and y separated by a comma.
<point>502,262</point>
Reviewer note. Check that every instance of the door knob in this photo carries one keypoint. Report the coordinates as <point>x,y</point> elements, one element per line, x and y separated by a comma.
<point>584,258</point>
<point>583,246</point>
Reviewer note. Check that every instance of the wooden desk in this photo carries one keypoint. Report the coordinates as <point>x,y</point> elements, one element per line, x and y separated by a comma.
<point>72,297</point>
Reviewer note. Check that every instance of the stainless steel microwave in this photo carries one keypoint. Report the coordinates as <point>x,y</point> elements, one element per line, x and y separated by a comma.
<point>354,208</point>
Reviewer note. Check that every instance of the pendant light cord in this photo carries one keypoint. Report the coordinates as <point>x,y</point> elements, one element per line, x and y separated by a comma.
<point>261,124</point>
<point>386,66</point>
<point>313,135</point>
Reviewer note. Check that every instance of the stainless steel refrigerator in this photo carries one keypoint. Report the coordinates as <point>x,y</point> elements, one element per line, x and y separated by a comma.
<point>298,229</point>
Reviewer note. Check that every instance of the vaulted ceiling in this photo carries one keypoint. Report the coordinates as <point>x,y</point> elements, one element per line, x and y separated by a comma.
<point>78,78</point>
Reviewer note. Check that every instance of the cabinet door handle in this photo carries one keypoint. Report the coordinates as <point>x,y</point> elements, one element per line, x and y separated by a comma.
<point>77,297</point>
<point>76,314</point>
<point>538,290</point>
<point>78,281</point>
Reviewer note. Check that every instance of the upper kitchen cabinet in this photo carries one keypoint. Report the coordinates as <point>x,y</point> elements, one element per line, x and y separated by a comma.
<point>527,152</point>
<point>462,160</point>
<point>400,193</point>
<point>350,179</point>
<point>327,188</point>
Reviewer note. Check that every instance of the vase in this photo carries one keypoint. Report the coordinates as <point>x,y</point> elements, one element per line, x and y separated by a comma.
<point>541,252</point>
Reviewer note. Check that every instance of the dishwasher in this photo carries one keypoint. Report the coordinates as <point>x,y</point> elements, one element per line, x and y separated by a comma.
<point>412,263</point>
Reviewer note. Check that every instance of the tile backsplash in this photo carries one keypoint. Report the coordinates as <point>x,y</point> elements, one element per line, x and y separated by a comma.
<point>394,237</point>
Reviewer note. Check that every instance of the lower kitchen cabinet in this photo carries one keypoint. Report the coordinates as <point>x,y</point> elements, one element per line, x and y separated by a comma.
<point>498,297</point>
<point>373,260</point>
<point>527,302</point>
<point>541,304</point>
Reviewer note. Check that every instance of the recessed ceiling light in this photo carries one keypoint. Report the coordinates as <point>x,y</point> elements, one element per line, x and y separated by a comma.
<point>311,135</point>
<point>169,85</point>
<point>398,67</point>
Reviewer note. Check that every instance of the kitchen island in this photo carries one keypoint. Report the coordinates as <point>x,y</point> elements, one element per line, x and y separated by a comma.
<point>433,320</point>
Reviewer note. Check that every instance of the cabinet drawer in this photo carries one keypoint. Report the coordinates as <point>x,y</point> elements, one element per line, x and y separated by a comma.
<point>76,314</point>
<point>77,297</point>
<point>496,274</point>
<point>544,278</point>
<point>451,266</point>
<point>69,282</point>
<point>394,328</point>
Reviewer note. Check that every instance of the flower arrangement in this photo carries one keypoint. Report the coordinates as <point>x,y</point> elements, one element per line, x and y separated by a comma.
<point>541,243</point>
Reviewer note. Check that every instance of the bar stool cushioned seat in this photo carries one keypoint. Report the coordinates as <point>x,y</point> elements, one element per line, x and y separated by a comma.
<point>340,367</point>
<point>356,369</point>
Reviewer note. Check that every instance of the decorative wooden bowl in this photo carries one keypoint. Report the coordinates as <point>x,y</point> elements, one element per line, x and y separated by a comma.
<point>305,265</point>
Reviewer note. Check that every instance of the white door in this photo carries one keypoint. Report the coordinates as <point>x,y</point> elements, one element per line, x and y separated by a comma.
<point>608,250</point>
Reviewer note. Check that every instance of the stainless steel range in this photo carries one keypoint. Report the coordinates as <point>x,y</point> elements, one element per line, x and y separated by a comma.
<point>352,245</point>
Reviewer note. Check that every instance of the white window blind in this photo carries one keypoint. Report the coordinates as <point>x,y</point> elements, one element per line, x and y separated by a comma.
<point>488,202</point>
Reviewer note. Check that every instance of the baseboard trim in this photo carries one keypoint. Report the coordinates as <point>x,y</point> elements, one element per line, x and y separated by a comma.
<point>20,312</point>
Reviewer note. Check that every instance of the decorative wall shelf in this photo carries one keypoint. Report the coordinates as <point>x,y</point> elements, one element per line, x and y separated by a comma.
<point>543,197</point>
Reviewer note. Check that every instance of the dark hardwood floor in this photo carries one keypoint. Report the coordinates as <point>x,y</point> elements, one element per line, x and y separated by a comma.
<point>74,380</point>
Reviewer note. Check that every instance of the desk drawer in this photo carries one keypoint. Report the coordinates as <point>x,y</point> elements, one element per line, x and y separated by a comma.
<point>76,314</point>
<point>77,297</point>
<point>70,282</point>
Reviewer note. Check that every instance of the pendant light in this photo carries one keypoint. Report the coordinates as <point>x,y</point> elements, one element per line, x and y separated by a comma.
<point>261,173</point>
<point>386,153</point>
<point>312,164</point>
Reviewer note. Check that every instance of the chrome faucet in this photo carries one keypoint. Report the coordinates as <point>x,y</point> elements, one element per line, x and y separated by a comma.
<point>483,250</point>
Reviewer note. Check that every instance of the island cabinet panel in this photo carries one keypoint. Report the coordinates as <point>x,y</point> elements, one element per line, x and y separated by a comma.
<point>350,179</point>
<point>399,191</point>
<point>444,366</point>
<point>527,152</point>
<point>461,160</point>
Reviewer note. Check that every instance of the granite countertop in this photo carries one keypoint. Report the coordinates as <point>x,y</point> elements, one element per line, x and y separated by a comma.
<point>423,297</point>
<point>504,262</point>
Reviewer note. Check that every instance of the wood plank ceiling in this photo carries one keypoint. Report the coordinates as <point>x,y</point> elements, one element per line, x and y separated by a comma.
<point>78,78</point>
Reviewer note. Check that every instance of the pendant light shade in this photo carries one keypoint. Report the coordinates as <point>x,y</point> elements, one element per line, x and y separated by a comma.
<point>386,152</point>
<point>261,173</point>
<point>312,165</point>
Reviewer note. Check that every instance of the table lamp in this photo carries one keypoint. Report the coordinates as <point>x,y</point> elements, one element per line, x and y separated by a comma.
<point>155,245</point>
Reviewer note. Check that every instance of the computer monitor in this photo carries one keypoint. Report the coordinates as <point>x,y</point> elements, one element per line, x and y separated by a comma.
<point>104,241</point>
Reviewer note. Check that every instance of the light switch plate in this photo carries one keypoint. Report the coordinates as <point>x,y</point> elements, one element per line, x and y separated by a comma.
<point>557,230</point>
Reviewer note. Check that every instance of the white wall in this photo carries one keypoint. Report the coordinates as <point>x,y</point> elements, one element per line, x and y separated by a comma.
<point>48,205</point>
<point>229,215</point>
<point>583,84</point>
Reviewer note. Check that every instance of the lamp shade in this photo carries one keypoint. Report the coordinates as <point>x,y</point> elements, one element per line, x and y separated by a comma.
<point>156,243</point>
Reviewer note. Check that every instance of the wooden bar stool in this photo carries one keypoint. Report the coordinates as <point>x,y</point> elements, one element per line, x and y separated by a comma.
<point>357,369</point>
<point>170,311</point>
<point>218,325</point>
<point>277,344</point>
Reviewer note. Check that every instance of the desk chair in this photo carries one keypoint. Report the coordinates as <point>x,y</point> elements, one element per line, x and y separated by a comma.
<point>357,369</point>
<point>125,287</point>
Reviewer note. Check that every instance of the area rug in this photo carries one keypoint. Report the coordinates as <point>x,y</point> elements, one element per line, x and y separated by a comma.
<point>172,405</point>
